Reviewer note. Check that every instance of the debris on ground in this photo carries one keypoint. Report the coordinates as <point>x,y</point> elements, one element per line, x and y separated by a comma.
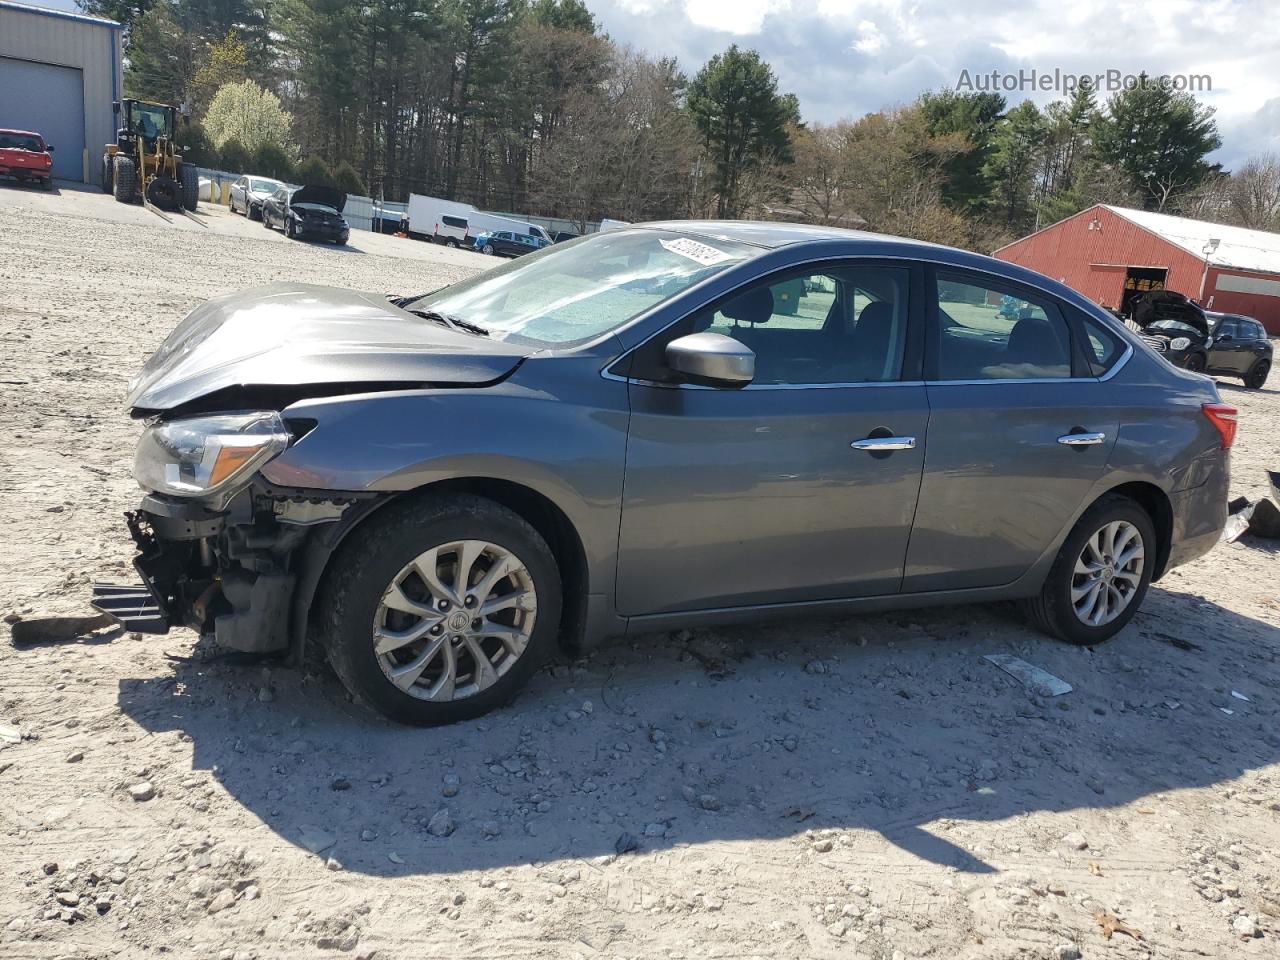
<point>1111,924</point>
<point>1039,682</point>
<point>29,633</point>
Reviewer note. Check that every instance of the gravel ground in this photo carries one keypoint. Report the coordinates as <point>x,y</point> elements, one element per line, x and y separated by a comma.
<point>865,787</point>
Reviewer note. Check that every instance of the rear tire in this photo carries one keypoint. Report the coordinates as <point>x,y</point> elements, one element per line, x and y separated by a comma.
<point>1256,378</point>
<point>1055,611</point>
<point>124,180</point>
<point>374,560</point>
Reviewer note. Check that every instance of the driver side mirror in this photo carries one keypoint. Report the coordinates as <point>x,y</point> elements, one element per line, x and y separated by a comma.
<point>48,148</point>
<point>712,359</point>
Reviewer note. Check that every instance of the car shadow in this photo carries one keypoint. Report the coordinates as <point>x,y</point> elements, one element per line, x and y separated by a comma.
<point>1235,386</point>
<point>890,723</point>
<point>25,186</point>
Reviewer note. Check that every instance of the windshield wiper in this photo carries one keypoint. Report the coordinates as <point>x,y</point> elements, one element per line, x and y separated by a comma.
<point>454,323</point>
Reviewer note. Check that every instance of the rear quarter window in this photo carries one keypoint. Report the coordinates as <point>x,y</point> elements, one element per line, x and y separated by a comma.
<point>1102,347</point>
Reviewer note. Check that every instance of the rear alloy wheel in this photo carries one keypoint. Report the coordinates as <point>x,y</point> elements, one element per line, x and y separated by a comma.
<point>440,610</point>
<point>1100,576</point>
<point>1256,378</point>
<point>1195,363</point>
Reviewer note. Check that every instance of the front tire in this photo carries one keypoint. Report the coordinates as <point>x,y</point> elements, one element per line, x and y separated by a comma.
<point>1195,363</point>
<point>439,610</point>
<point>1101,574</point>
<point>489,251</point>
<point>1256,378</point>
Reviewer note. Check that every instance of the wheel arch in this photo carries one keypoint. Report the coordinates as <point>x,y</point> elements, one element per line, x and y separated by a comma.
<point>1156,503</point>
<point>542,513</point>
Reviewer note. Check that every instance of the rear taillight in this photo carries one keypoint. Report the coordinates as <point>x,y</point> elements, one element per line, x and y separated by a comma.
<point>1223,417</point>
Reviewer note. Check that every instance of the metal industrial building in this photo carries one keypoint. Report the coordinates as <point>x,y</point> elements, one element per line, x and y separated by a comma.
<point>59,73</point>
<point>1113,254</point>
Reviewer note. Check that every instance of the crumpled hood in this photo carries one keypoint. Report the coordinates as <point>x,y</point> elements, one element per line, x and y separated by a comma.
<point>324,196</point>
<point>293,334</point>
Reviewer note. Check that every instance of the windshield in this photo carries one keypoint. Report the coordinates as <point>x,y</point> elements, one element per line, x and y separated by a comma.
<point>575,291</point>
<point>264,186</point>
<point>20,141</point>
<point>1173,326</point>
<point>150,121</point>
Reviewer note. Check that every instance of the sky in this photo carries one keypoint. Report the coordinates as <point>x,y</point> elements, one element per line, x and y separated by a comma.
<point>844,58</point>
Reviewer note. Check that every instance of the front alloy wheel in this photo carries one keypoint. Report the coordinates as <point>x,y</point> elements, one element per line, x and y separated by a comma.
<point>455,619</point>
<point>438,609</point>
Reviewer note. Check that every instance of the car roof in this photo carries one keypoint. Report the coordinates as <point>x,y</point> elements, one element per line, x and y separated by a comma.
<point>768,233</point>
<point>25,133</point>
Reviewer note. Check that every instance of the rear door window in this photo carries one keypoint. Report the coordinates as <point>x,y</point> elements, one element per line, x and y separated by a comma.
<point>985,330</point>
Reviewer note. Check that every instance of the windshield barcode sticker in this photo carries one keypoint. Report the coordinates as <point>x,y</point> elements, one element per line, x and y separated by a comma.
<point>698,252</point>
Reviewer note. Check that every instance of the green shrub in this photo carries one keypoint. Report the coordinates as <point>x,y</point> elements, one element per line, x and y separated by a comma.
<point>314,172</point>
<point>346,178</point>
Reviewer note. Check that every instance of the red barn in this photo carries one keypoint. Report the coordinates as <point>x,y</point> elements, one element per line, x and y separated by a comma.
<point>1112,254</point>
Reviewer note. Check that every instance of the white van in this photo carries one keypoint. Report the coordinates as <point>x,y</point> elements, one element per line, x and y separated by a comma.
<point>452,231</point>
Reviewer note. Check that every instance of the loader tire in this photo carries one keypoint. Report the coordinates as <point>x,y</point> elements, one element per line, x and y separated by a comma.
<point>125,180</point>
<point>190,179</point>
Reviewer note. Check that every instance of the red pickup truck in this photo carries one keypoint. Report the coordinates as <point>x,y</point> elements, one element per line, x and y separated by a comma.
<point>25,156</point>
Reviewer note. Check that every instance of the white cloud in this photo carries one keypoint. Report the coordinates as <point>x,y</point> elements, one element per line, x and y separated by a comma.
<point>843,58</point>
<point>738,17</point>
<point>870,39</point>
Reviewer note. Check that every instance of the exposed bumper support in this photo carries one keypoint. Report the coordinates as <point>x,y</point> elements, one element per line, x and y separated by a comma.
<point>135,607</point>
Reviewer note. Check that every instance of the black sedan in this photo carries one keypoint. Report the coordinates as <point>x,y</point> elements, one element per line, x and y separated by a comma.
<point>307,213</point>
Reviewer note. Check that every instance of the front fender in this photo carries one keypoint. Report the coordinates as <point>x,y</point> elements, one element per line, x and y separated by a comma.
<point>552,427</point>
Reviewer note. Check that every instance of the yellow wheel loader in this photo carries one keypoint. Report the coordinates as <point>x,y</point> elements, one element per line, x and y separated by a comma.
<point>145,163</point>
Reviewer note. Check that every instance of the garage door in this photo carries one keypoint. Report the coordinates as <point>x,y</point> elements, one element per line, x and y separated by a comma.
<point>49,100</point>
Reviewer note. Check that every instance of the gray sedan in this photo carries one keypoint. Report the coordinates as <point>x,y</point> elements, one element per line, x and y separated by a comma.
<point>249,193</point>
<point>665,425</point>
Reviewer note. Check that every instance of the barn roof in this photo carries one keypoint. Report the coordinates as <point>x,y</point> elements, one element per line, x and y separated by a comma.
<point>1237,247</point>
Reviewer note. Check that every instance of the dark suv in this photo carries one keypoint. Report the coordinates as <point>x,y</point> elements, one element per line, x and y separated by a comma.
<point>1239,347</point>
<point>1204,342</point>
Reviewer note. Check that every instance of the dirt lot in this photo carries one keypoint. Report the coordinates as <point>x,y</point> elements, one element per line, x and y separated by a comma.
<point>864,787</point>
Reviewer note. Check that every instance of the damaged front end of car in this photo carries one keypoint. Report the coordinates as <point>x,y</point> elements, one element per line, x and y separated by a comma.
<point>220,550</point>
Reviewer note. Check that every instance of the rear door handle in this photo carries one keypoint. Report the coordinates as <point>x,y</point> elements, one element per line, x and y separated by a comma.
<point>1081,439</point>
<point>876,444</point>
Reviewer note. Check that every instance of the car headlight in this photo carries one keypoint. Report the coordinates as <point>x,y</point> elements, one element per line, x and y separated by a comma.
<point>201,456</point>
<point>1179,343</point>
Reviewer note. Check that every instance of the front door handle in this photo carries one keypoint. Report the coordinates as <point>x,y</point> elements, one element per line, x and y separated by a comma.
<point>1081,439</point>
<point>876,444</point>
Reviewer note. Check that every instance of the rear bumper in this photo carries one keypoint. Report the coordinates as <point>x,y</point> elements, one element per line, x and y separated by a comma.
<point>1200,513</point>
<point>26,173</point>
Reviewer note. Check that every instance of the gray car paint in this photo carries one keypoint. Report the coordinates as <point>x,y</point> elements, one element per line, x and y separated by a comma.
<point>289,334</point>
<point>671,534</point>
